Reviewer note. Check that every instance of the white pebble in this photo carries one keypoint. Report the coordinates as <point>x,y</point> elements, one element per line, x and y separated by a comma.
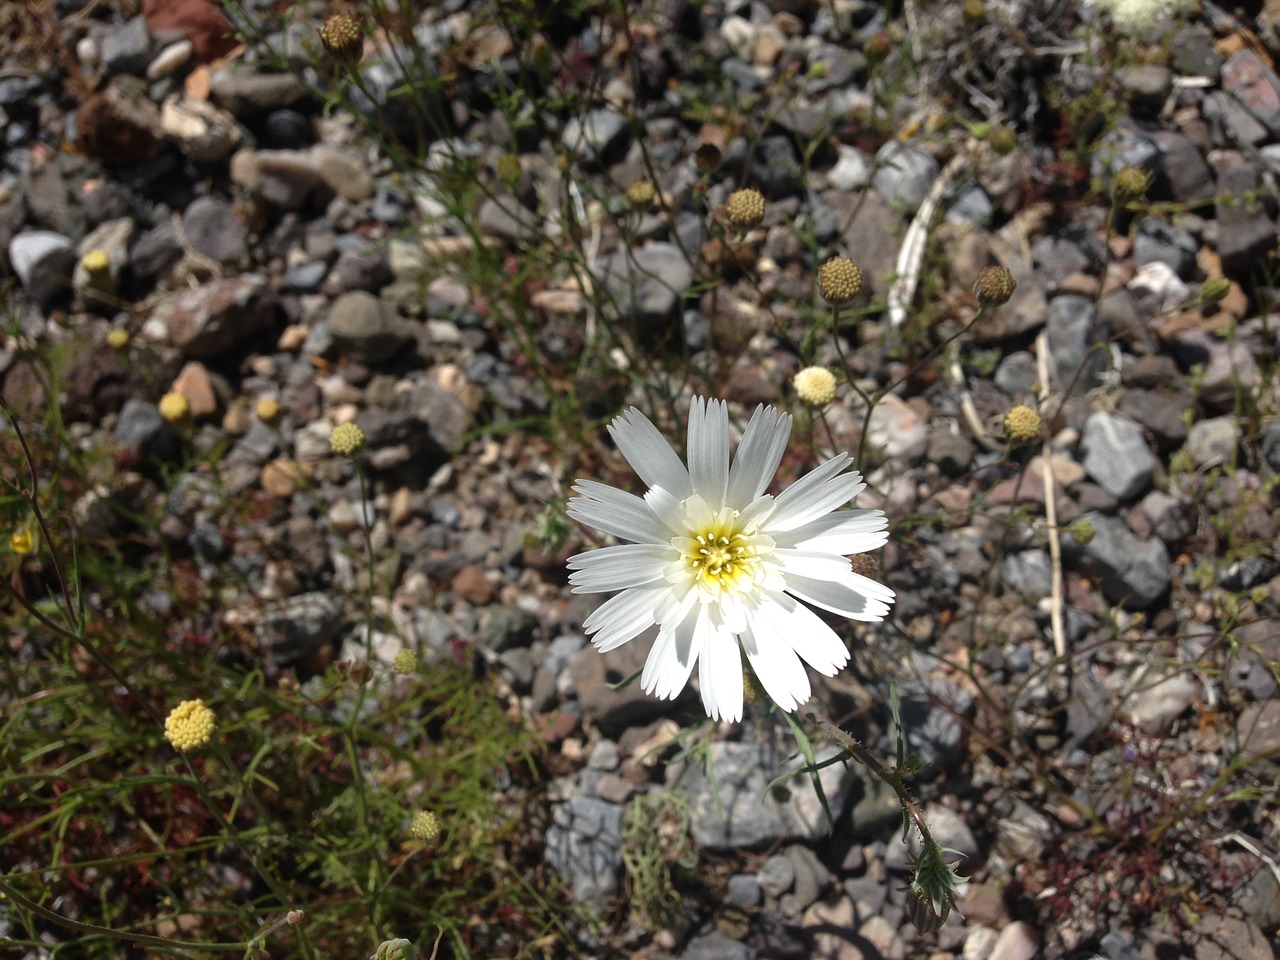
<point>170,59</point>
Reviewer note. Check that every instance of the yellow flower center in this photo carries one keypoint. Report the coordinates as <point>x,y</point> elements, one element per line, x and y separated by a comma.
<point>720,554</point>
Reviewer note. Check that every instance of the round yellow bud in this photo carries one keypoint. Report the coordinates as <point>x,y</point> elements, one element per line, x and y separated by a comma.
<point>1022,424</point>
<point>22,542</point>
<point>96,261</point>
<point>508,168</point>
<point>1004,140</point>
<point>745,208</point>
<point>640,194</point>
<point>1082,532</point>
<point>267,409</point>
<point>174,407</point>
<point>839,280</point>
<point>406,661</point>
<point>118,338</point>
<point>346,439</point>
<point>424,826</point>
<point>190,725</point>
<point>816,386</point>
<point>1132,182</point>
<point>994,286</point>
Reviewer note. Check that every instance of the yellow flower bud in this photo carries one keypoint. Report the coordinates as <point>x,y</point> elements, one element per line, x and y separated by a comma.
<point>174,407</point>
<point>346,439</point>
<point>816,386</point>
<point>839,280</point>
<point>190,725</point>
<point>745,208</point>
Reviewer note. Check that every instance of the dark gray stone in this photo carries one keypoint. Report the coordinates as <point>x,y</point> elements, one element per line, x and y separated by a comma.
<point>716,946</point>
<point>292,629</point>
<point>1213,442</point>
<point>1117,455</point>
<point>648,285</point>
<point>1075,342</point>
<point>214,230</point>
<point>584,845</point>
<point>1184,172</point>
<point>1026,572</point>
<point>211,319</point>
<point>502,626</point>
<point>368,329</point>
<point>1017,375</point>
<point>43,261</point>
<point>306,277</point>
<point>1173,520</point>
<point>776,875</point>
<point>1246,231</point>
<point>1130,571</point>
<point>127,47</point>
<point>141,427</point>
<point>594,136</point>
<point>1160,242</point>
<point>952,452</point>
<point>1271,446</point>
<point>744,891</point>
<point>155,252</point>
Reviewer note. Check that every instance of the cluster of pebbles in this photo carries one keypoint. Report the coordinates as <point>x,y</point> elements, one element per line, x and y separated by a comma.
<point>182,214</point>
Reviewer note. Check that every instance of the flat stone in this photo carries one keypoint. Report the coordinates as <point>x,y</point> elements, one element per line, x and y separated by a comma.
<point>211,319</point>
<point>1256,86</point>
<point>201,131</point>
<point>1130,571</point>
<point>1017,941</point>
<point>732,810</point>
<point>1213,442</point>
<point>584,845</point>
<point>368,329</point>
<point>214,231</point>
<point>1258,729</point>
<point>903,174</point>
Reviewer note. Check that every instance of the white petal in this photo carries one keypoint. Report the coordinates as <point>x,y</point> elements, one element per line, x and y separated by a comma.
<point>671,660</point>
<point>719,670</point>
<point>623,617</point>
<point>616,568</point>
<point>649,454</point>
<point>617,512</point>
<point>812,564</point>
<point>756,461</point>
<point>817,493</point>
<point>778,669</point>
<point>845,532</point>
<point>709,449</point>
<point>787,620</point>
<point>668,509</point>
<point>855,596</point>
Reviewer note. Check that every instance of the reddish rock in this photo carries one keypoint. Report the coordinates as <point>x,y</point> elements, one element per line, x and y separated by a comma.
<point>193,383</point>
<point>119,126</point>
<point>473,586</point>
<point>204,23</point>
<point>212,319</point>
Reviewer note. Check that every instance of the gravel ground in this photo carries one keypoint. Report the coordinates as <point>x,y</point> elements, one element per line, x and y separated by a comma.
<point>1109,782</point>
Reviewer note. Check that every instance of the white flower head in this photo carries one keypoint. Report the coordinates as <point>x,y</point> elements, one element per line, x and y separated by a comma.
<point>719,566</point>
<point>1143,16</point>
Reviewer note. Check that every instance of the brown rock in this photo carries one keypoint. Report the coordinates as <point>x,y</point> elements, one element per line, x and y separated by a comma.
<point>211,319</point>
<point>283,478</point>
<point>193,383</point>
<point>472,585</point>
<point>205,25</point>
<point>119,125</point>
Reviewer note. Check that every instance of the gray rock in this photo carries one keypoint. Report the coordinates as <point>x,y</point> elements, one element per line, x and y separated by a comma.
<point>1160,242</point>
<point>1213,442</point>
<point>43,262</point>
<point>1017,941</point>
<point>1131,571</point>
<point>306,277</point>
<point>214,230</point>
<point>1260,899</point>
<point>1258,647</point>
<point>1242,574</point>
<point>776,875</point>
<point>448,421</point>
<point>502,626</point>
<point>952,452</point>
<point>1229,365</point>
<point>1172,520</point>
<point>1123,147</point>
<point>248,93</point>
<point>368,329</point>
<point>1021,836</point>
<point>716,946</point>
<point>584,845</point>
<point>1026,572</point>
<point>1074,337</point>
<point>852,171</point>
<point>903,174</point>
<point>507,218</point>
<point>1159,700</point>
<point>775,170</point>
<point>971,206</point>
<point>731,809</point>
<point>1246,233</point>
<point>1117,455</point>
<point>648,285</point>
<point>812,879</point>
<point>259,444</point>
<point>1271,446</point>
<point>292,629</point>
<point>594,676</point>
<point>1017,375</point>
<point>931,716</point>
<point>127,47</point>
<point>948,828</point>
<point>595,135</point>
<point>1183,168</point>
<point>155,252</point>
<point>1159,411</point>
<point>141,427</point>
<point>211,319</point>
<point>744,891</point>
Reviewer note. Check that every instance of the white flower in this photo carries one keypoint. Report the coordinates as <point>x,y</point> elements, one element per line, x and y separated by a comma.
<point>1142,16</point>
<point>719,565</point>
